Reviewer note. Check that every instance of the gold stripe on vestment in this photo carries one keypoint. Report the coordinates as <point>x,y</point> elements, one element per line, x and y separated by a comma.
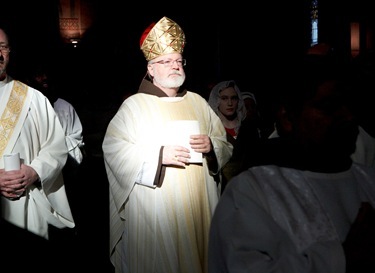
<point>11,113</point>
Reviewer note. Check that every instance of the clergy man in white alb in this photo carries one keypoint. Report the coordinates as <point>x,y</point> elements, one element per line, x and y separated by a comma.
<point>160,203</point>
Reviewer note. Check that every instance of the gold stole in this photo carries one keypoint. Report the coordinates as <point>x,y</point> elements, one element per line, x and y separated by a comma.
<point>11,114</point>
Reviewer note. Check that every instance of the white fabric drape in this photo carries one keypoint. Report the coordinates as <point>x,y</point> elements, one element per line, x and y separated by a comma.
<point>43,148</point>
<point>162,229</point>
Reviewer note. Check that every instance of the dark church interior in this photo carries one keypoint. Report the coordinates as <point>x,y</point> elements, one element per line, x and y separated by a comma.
<point>92,49</point>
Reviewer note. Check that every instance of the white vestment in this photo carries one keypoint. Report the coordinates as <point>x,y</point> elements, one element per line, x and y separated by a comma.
<point>39,139</point>
<point>72,127</point>
<point>365,148</point>
<point>162,229</point>
<point>282,220</point>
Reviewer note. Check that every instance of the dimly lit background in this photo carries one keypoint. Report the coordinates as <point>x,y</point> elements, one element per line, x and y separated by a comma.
<point>251,43</point>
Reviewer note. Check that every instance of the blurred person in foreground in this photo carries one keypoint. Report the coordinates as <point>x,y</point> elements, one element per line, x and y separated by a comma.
<point>33,197</point>
<point>305,206</point>
<point>161,204</point>
<point>365,144</point>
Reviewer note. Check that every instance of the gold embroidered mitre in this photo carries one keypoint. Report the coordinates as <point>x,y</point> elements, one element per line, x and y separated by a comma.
<point>164,37</point>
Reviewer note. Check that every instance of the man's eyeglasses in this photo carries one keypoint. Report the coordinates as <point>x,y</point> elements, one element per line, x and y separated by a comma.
<point>169,63</point>
<point>5,49</point>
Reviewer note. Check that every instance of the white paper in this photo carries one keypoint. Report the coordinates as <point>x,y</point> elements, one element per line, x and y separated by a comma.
<point>12,162</point>
<point>178,132</point>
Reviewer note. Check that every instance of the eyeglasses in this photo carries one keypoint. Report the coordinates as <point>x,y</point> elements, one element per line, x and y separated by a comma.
<point>4,49</point>
<point>169,63</point>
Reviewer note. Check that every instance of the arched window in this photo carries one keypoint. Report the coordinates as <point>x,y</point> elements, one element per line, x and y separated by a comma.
<point>314,22</point>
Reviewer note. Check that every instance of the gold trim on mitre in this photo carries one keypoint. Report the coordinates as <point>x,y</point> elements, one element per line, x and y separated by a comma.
<point>165,37</point>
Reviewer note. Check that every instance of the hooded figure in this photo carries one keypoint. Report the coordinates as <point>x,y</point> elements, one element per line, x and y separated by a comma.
<point>229,106</point>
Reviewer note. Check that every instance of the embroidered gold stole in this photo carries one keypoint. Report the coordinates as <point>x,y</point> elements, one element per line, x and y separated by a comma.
<point>13,114</point>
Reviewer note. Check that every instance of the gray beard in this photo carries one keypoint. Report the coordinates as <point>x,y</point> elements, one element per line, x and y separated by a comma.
<point>171,83</point>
